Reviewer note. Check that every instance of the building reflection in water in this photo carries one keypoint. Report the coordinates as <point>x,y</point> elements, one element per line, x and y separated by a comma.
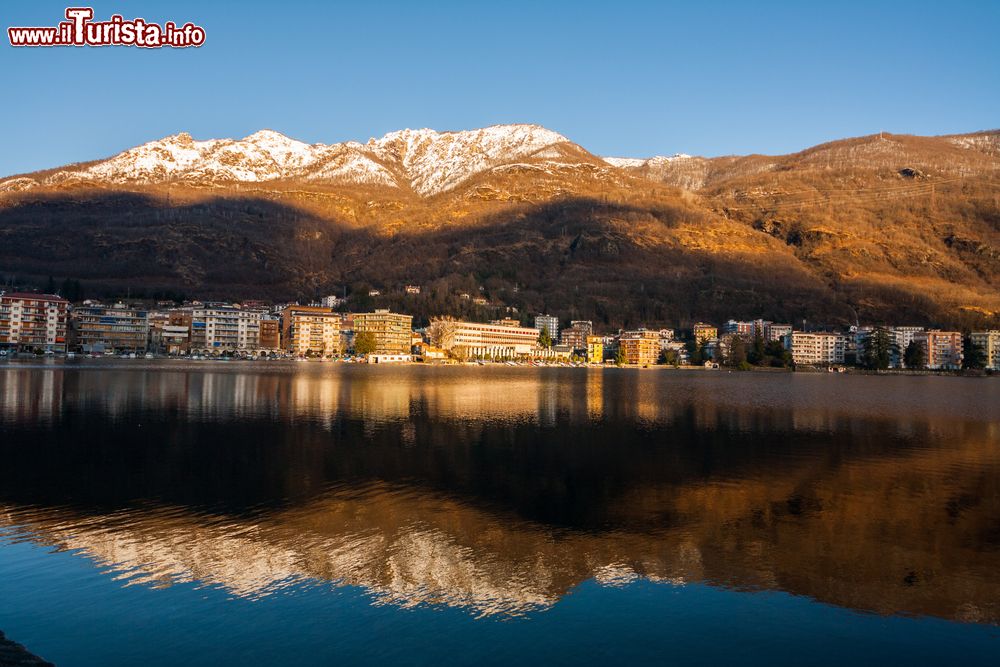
<point>499,490</point>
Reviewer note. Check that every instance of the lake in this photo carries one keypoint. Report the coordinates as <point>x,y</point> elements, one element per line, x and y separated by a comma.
<point>208,513</point>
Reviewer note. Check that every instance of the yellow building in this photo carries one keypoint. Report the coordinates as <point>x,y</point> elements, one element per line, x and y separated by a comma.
<point>311,330</point>
<point>595,349</point>
<point>641,347</point>
<point>393,331</point>
<point>704,332</point>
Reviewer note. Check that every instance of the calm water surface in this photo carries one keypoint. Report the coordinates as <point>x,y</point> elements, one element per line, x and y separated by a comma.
<point>314,514</point>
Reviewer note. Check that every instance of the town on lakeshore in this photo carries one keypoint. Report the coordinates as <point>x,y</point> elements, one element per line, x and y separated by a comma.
<point>35,323</point>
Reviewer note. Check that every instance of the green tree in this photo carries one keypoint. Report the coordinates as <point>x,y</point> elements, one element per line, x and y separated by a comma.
<point>913,356</point>
<point>545,338</point>
<point>878,350</point>
<point>619,355</point>
<point>758,349</point>
<point>365,343</point>
<point>736,354</point>
<point>973,356</point>
<point>670,357</point>
<point>695,352</point>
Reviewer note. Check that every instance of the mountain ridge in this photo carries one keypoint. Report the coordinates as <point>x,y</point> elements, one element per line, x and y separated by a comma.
<point>881,227</point>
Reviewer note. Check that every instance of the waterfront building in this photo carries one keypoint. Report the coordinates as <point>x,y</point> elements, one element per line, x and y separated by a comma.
<point>640,347</point>
<point>817,349</point>
<point>704,332</point>
<point>989,341</point>
<point>96,328</point>
<point>270,334</point>
<point>388,358</point>
<point>393,331</point>
<point>216,329</point>
<point>475,339</point>
<point>942,349</point>
<point>311,330</point>
<point>902,337</point>
<point>549,322</point>
<point>575,337</point>
<point>595,349</point>
<point>31,321</point>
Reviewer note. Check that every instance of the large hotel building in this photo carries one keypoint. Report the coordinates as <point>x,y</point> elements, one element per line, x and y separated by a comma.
<point>500,338</point>
<point>33,321</point>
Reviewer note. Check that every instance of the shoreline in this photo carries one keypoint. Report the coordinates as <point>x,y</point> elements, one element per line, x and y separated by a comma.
<point>13,654</point>
<point>62,360</point>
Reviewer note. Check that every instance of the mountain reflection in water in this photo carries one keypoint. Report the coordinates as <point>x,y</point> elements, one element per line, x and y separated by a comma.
<point>499,490</point>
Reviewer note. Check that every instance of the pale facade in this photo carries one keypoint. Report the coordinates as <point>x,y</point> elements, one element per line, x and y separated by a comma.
<point>307,330</point>
<point>33,321</point>
<point>989,341</point>
<point>817,349</point>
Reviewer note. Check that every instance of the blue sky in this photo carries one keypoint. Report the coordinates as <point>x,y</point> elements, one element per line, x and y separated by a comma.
<point>621,78</point>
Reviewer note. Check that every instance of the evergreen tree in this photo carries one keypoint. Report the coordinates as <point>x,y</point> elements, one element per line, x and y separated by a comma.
<point>913,356</point>
<point>878,350</point>
<point>736,355</point>
<point>758,349</point>
<point>545,338</point>
<point>973,356</point>
<point>619,355</point>
<point>694,352</point>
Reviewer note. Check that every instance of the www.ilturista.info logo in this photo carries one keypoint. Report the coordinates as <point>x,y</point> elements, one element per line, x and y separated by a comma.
<point>80,30</point>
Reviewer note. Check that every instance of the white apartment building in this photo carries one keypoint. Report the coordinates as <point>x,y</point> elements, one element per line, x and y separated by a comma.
<point>33,321</point>
<point>550,322</point>
<point>220,329</point>
<point>816,349</point>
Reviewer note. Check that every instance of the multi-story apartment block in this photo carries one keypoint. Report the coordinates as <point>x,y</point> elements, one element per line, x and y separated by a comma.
<point>744,330</point>
<point>311,330</point>
<point>331,301</point>
<point>96,328</point>
<point>475,339</point>
<point>595,349</point>
<point>640,347</point>
<point>548,322</point>
<point>704,332</point>
<point>942,349</point>
<point>989,341</point>
<point>575,337</point>
<point>392,331</point>
<point>666,337</point>
<point>777,332</point>
<point>218,329</point>
<point>902,337</point>
<point>816,349</point>
<point>33,321</point>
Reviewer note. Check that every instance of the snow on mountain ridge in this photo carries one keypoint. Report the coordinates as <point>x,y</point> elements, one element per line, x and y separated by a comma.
<point>425,160</point>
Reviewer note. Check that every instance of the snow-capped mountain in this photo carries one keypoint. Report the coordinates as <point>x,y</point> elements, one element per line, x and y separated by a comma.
<point>426,161</point>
